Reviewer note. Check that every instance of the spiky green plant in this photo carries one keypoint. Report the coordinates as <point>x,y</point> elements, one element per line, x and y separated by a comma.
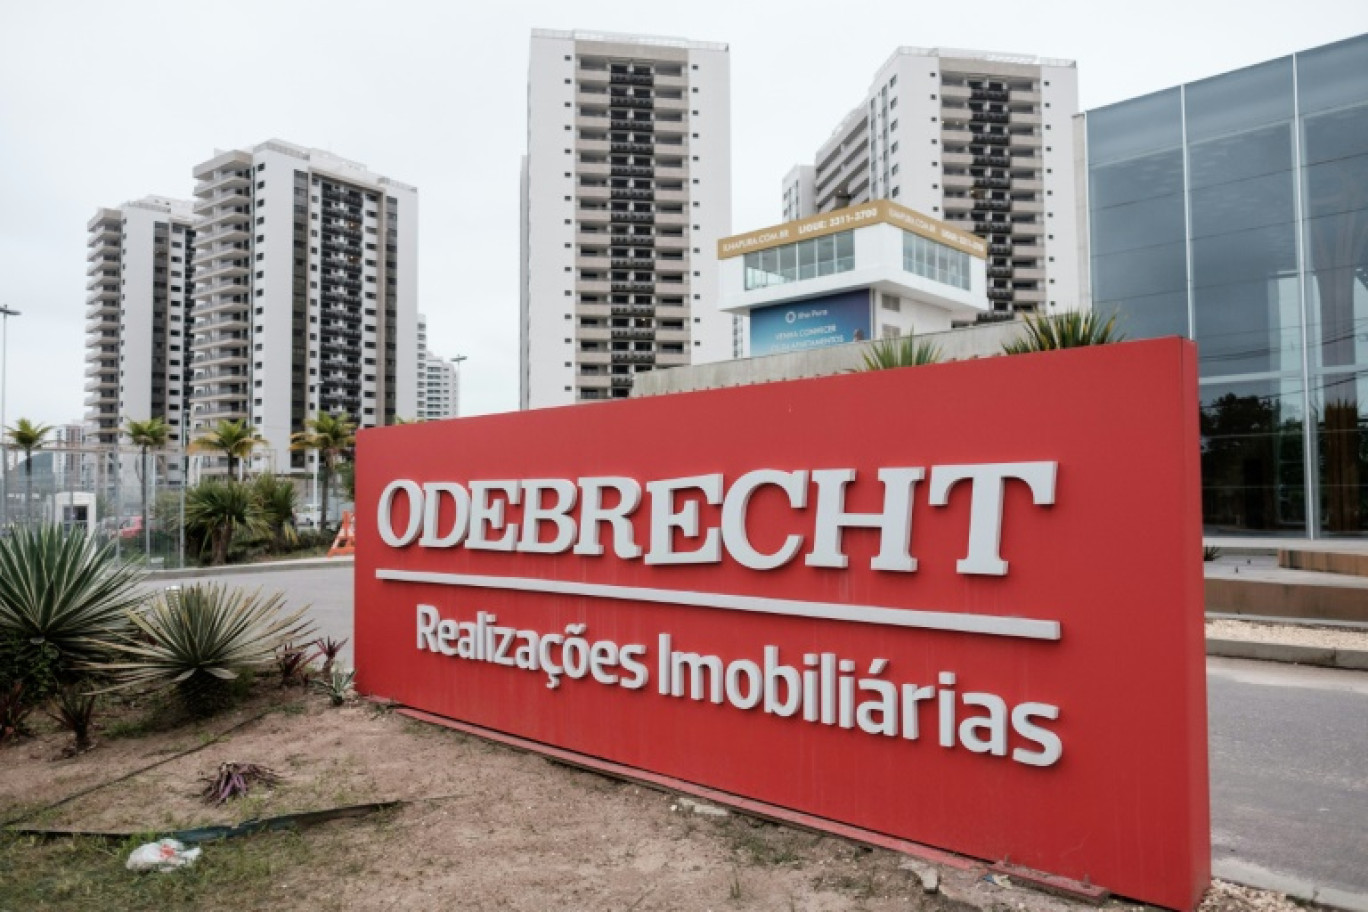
<point>200,638</point>
<point>67,590</point>
<point>336,685</point>
<point>1074,329</point>
<point>904,351</point>
<point>277,499</point>
<point>74,709</point>
<point>215,510</point>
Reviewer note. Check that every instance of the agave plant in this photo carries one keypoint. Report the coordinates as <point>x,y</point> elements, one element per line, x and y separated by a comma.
<point>235,780</point>
<point>64,591</point>
<point>1074,329</point>
<point>329,649</point>
<point>336,685</point>
<point>904,351</point>
<point>200,638</point>
<point>74,709</point>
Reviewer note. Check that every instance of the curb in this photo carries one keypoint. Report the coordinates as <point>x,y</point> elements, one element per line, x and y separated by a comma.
<point>1325,657</point>
<point>245,569</point>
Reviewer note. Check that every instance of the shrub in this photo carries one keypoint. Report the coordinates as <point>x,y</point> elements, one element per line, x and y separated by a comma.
<point>62,596</point>
<point>74,710</point>
<point>216,510</point>
<point>904,351</point>
<point>15,707</point>
<point>201,638</point>
<point>1067,330</point>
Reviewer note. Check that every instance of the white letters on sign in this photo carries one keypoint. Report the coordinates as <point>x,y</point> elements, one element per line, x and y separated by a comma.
<point>482,514</point>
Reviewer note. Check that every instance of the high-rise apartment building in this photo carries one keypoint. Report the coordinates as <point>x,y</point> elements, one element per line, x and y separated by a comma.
<point>305,298</point>
<point>626,188</point>
<point>438,381</point>
<point>139,277</point>
<point>980,140</point>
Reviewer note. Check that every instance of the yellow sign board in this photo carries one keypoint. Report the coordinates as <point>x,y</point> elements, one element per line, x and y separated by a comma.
<point>871,213</point>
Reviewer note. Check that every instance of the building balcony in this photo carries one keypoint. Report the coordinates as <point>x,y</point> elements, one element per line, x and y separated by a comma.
<point>1025,96</point>
<point>220,357</point>
<point>597,194</point>
<point>226,411</point>
<point>1031,207</point>
<point>593,169</point>
<point>591,286</point>
<point>633,264</point>
<point>985,160</point>
<point>1027,229</point>
<point>592,334</point>
<point>634,147</point>
<point>1028,296</point>
<point>1025,140</point>
<point>639,334</point>
<point>105,264</point>
<point>634,79</point>
<point>633,357</point>
<point>592,357</point>
<point>985,94</point>
<point>999,294</point>
<point>672,359</point>
<point>631,101</point>
<point>1027,251</point>
<point>631,217</point>
<point>954,93</point>
<point>632,310</point>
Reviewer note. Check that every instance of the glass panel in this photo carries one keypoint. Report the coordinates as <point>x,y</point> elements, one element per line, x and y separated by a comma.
<point>1149,317</point>
<point>1253,463</point>
<point>826,255</point>
<point>1245,155</point>
<point>788,262</point>
<point>807,259</point>
<point>1246,98</point>
<point>1336,186</point>
<point>1334,75</point>
<point>1342,432</point>
<point>1249,328</point>
<point>1138,273</point>
<point>1244,256</point>
<point>1253,203</point>
<point>1336,134</point>
<point>1144,177</point>
<point>1143,224</point>
<point>845,251</point>
<point>1134,127</point>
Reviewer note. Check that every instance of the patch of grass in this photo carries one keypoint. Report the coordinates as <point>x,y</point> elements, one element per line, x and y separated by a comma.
<point>763,844</point>
<point>81,874</point>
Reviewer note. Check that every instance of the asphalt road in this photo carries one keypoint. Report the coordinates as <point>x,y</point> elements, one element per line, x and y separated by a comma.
<point>1288,746</point>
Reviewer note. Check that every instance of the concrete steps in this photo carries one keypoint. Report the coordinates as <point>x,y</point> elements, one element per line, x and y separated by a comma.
<point>1316,581</point>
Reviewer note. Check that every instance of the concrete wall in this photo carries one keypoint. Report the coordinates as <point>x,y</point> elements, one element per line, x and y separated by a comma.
<point>957,345</point>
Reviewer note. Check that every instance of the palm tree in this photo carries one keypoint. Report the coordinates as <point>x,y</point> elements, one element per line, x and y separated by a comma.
<point>217,509</point>
<point>233,438</point>
<point>27,436</point>
<point>145,436</point>
<point>331,435</point>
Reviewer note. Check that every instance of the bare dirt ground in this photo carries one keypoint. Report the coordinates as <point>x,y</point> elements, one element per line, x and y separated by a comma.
<point>488,827</point>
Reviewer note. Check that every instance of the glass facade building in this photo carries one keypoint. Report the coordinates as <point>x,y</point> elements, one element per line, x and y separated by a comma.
<point>1234,211</point>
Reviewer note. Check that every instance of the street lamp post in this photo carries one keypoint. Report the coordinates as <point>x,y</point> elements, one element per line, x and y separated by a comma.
<point>5,313</point>
<point>457,361</point>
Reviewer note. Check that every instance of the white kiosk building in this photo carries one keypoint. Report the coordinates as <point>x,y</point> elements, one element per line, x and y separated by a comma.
<point>876,270</point>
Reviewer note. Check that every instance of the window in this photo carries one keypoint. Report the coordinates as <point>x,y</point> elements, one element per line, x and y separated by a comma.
<point>803,260</point>
<point>927,258</point>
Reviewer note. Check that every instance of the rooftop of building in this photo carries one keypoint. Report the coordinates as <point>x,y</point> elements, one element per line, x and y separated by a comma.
<point>624,38</point>
<point>318,159</point>
<point>985,56</point>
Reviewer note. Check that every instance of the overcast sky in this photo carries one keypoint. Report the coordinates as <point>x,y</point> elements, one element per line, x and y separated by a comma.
<point>105,102</point>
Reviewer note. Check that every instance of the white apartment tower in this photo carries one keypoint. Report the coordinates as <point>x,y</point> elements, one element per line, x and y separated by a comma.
<point>139,275</point>
<point>438,381</point>
<point>305,297</point>
<point>626,188</point>
<point>981,140</point>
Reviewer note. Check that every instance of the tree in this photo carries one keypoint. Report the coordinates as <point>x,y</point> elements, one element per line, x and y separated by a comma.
<point>217,509</point>
<point>27,436</point>
<point>233,438</point>
<point>146,435</point>
<point>331,435</point>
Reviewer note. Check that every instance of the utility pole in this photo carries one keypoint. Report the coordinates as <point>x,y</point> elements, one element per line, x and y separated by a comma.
<point>457,361</point>
<point>5,313</point>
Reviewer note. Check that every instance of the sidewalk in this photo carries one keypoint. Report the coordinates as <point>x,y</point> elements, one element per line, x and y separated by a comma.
<point>1328,643</point>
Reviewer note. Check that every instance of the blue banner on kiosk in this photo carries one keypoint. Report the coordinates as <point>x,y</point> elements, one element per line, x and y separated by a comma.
<point>812,323</point>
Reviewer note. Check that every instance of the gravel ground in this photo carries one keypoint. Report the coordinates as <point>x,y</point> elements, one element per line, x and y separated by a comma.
<point>1294,635</point>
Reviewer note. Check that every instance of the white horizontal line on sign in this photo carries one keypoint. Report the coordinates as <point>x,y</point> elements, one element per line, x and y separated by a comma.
<point>864,614</point>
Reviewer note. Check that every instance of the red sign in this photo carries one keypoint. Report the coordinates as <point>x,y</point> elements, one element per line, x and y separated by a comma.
<point>956,604</point>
